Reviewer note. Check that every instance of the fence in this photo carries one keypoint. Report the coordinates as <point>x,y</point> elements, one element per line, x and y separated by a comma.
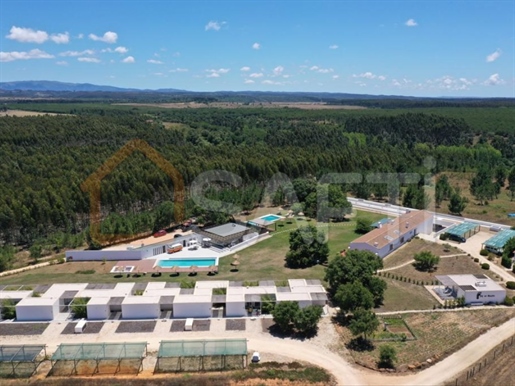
<point>471,372</point>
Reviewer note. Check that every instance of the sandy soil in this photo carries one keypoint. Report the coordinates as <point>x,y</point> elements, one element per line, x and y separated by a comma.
<point>21,113</point>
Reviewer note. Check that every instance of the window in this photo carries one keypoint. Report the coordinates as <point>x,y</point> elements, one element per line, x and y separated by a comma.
<point>391,247</point>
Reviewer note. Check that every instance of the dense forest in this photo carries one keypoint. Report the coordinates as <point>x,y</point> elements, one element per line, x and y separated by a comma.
<point>45,159</point>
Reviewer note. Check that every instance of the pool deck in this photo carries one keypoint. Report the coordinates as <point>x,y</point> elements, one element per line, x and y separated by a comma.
<point>149,266</point>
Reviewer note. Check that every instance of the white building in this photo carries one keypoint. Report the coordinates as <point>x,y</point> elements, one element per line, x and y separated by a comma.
<point>152,300</point>
<point>476,289</point>
<point>390,236</point>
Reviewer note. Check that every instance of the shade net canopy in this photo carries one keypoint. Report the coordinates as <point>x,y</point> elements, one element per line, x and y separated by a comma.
<point>99,351</point>
<point>191,348</point>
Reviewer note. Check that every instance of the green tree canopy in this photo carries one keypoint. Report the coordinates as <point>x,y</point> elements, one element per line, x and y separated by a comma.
<point>364,322</point>
<point>387,356</point>
<point>355,266</point>
<point>307,248</point>
<point>363,225</point>
<point>426,261</point>
<point>354,295</point>
<point>457,203</point>
<point>284,314</point>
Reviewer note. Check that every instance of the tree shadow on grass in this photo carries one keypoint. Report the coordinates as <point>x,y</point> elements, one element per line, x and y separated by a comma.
<point>360,344</point>
<point>276,332</point>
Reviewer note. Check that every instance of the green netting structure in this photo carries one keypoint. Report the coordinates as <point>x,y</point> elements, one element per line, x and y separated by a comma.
<point>381,222</point>
<point>497,242</point>
<point>20,360</point>
<point>463,231</point>
<point>209,354</point>
<point>97,352</point>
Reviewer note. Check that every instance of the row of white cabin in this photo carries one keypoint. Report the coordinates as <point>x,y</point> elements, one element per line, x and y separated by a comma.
<point>158,297</point>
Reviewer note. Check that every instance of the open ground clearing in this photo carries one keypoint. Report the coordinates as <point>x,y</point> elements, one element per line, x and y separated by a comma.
<point>438,335</point>
<point>495,211</point>
<point>402,296</point>
<point>23,113</point>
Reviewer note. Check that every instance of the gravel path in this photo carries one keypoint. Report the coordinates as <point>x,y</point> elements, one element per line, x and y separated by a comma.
<point>136,327</point>
<point>91,328</point>
<point>17,328</point>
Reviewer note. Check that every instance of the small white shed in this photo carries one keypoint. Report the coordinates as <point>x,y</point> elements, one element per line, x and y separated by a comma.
<point>235,305</point>
<point>34,309</point>
<point>141,307</point>
<point>98,308</point>
<point>192,306</point>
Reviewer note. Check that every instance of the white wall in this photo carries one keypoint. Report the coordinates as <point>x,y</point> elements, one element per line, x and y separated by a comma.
<point>233,309</point>
<point>484,297</point>
<point>141,311</point>
<point>32,312</point>
<point>98,311</point>
<point>195,310</point>
<point>108,255</point>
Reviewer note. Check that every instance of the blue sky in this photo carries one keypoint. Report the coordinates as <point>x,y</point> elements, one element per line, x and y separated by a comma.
<point>422,48</point>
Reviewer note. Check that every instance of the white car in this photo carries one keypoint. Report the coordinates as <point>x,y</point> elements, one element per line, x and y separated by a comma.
<point>255,357</point>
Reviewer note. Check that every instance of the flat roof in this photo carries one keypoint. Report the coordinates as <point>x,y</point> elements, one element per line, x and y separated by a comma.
<point>228,229</point>
<point>470,282</point>
<point>192,299</point>
<point>141,300</point>
<point>500,239</point>
<point>460,230</point>
<point>405,223</point>
<point>31,301</point>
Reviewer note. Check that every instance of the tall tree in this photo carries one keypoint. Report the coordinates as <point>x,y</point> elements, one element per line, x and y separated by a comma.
<point>426,261</point>
<point>443,189</point>
<point>364,322</point>
<point>457,203</point>
<point>307,248</point>
<point>354,295</point>
<point>511,182</point>
<point>481,186</point>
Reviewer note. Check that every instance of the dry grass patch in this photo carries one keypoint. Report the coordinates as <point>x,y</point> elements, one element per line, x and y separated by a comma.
<point>21,113</point>
<point>408,251</point>
<point>439,334</point>
<point>401,296</point>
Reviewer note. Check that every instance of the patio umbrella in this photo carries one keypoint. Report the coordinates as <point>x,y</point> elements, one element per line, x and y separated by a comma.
<point>236,256</point>
<point>193,269</point>
<point>235,264</point>
<point>212,269</point>
<point>174,269</point>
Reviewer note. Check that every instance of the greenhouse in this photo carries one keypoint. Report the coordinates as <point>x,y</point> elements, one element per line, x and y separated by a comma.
<point>20,360</point>
<point>496,243</point>
<point>463,231</point>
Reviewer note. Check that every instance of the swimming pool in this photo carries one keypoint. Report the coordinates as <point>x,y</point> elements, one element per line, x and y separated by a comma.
<point>186,263</point>
<point>270,217</point>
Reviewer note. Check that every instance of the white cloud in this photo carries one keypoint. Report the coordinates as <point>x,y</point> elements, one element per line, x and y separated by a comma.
<point>249,81</point>
<point>494,80</point>
<point>256,75</point>
<point>214,25</point>
<point>286,76</point>
<point>153,61</point>
<point>245,68</point>
<point>333,47</point>
<point>336,76</point>
<point>256,46</point>
<point>80,36</point>
<point>121,50</point>
<point>178,69</point>
<point>27,35</point>
<point>213,73</point>
<point>77,53</point>
<point>381,77</point>
<point>109,37</point>
<point>60,38</point>
<point>89,60</point>
<point>321,70</point>
<point>493,56</point>
<point>32,54</point>
<point>411,23</point>
<point>62,63</point>
<point>396,83</point>
<point>366,75</point>
<point>278,70</point>
<point>268,81</point>
<point>129,59</point>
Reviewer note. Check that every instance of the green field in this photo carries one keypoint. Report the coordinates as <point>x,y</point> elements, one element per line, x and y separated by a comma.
<point>261,261</point>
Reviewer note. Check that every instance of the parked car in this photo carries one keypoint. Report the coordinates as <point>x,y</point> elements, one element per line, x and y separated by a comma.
<point>160,233</point>
<point>255,357</point>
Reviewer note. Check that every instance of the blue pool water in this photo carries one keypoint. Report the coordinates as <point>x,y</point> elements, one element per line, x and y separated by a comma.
<point>271,217</point>
<point>186,263</point>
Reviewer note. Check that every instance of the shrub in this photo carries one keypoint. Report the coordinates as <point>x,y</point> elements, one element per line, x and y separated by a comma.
<point>446,247</point>
<point>476,260</point>
<point>444,236</point>
<point>86,272</point>
<point>485,266</point>
<point>508,301</point>
<point>8,309</point>
<point>387,356</point>
<point>483,252</point>
<point>510,285</point>
<point>506,262</point>
<point>79,308</point>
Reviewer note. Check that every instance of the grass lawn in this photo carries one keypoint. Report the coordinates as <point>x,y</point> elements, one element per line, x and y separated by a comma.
<point>438,335</point>
<point>410,249</point>
<point>400,296</point>
<point>261,261</point>
<point>446,266</point>
<point>495,211</point>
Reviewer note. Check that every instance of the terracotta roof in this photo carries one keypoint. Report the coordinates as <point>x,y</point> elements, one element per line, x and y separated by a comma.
<point>402,225</point>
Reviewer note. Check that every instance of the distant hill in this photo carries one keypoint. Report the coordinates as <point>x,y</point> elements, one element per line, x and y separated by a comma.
<point>48,85</point>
